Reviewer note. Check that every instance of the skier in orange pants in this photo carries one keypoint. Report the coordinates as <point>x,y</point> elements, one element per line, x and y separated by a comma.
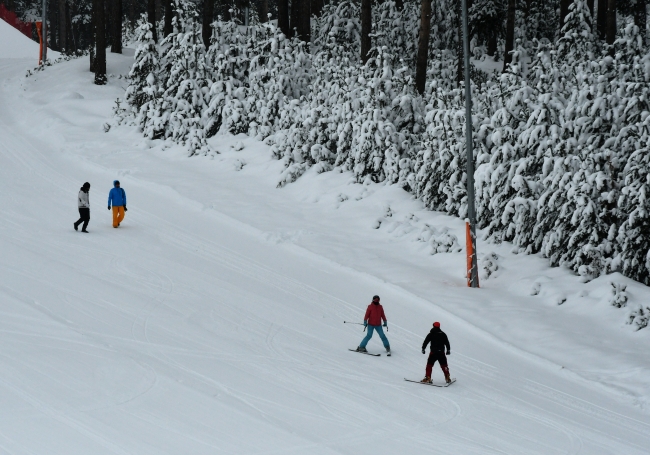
<point>117,198</point>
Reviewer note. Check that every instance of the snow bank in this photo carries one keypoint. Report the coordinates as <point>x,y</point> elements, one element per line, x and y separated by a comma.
<point>17,45</point>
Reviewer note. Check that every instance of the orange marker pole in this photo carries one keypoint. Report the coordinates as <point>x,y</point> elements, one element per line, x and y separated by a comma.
<point>470,255</point>
<point>39,30</point>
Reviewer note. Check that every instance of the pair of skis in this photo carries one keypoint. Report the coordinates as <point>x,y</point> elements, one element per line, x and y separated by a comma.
<point>408,380</point>
<point>369,353</point>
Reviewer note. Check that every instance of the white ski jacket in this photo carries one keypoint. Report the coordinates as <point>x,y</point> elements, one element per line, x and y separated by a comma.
<point>84,203</point>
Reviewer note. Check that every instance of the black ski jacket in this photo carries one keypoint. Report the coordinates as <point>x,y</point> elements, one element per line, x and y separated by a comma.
<point>438,340</point>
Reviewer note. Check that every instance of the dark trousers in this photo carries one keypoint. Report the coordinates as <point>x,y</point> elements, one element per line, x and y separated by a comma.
<point>84,217</point>
<point>441,358</point>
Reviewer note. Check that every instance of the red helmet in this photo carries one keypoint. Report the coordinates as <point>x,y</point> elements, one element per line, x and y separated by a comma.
<point>436,324</point>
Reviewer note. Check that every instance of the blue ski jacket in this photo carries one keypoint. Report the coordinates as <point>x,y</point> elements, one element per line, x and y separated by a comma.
<point>117,196</point>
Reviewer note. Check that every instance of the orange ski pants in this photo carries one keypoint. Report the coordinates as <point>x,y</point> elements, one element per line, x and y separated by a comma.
<point>118,215</point>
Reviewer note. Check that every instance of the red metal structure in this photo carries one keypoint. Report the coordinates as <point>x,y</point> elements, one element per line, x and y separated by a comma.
<point>10,17</point>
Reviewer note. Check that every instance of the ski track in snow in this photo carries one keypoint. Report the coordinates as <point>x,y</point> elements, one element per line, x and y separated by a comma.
<point>190,330</point>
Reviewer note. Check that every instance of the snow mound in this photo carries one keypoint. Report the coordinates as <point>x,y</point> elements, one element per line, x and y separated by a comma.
<point>17,45</point>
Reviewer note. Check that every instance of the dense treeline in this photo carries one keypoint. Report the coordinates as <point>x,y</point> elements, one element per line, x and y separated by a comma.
<point>561,130</point>
<point>562,134</point>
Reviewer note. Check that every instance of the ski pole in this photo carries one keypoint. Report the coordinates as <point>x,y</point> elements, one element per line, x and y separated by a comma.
<point>348,322</point>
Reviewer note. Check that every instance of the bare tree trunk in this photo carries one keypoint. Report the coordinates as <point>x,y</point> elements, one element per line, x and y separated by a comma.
<point>423,46</point>
<point>640,18</point>
<point>295,14</point>
<point>510,34</point>
<point>169,14</point>
<point>611,21</point>
<point>52,27</point>
<point>208,17</point>
<point>304,20</point>
<point>316,7</point>
<point>151,18</point>
<point>590,4</point>
<point>492,45</point>
<point>564,10</point>
<point>283,17</point>
<point>63,43</point>
<point>366,28</point>
<point>264,11</point>
<point>399,4</point>
<point>116,37</point>
<point>100,42</point>
<point>159,10</point>
<point>132,15</point>
<point>601,20</point>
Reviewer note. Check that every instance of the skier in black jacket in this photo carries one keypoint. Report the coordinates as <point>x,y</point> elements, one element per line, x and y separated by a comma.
<point>439,342</point>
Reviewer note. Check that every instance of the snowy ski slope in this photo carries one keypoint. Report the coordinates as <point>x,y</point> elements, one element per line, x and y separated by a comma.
<point>210,322</point>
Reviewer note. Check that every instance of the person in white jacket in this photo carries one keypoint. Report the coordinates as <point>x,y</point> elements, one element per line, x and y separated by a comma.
<point>84,208</point>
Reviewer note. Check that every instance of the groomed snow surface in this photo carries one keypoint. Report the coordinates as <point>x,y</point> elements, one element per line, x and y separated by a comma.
<point>211,321</point>
<point>16,45</point>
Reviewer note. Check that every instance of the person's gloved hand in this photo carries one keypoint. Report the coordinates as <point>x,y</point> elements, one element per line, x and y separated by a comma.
<point>125,209</point>
<point>423,351</point>
<point>109,208</point>
<point>386,324</point>
<point>448,352</point>
<point>365,323</point>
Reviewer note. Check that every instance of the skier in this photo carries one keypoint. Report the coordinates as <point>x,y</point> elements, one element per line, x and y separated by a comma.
<point>84,208</point>
<point>372,320</point>
<point>439,342</point>
<point>117,198</point>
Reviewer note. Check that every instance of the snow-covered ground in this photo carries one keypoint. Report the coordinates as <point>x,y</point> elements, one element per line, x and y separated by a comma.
<point>17,45</point>
<point>211,321</point>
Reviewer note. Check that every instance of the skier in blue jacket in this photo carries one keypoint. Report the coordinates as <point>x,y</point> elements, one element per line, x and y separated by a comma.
<point>117,198</point>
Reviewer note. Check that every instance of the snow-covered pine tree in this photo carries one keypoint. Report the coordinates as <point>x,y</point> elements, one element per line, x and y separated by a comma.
<point>570,211</point>
<point>632,143</point>
<point>228,59</point>
<point>143,78</point>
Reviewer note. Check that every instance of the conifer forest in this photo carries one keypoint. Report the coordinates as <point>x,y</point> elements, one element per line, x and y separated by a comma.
<point>560,102</point>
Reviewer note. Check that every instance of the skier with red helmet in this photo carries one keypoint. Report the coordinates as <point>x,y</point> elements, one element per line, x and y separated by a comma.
<point>439,342</point>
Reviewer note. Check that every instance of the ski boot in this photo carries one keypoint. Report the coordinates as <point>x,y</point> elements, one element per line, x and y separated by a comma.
<point>360,349</point>
<point>426,380</point>
<point>388,351</point>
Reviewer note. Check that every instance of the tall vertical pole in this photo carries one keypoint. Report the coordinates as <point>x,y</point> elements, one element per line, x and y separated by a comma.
<point>44,56</point>
<point>472,273</point>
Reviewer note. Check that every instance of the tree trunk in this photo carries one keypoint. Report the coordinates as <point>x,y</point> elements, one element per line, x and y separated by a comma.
<point>492,45</point>
<point>208,17</point>
<point>304,20</point>
<point>423,46</point>
<point>295,14</point>
<point>601,20</point>
<point>132,14</point>
<point>510,35</point>
<point>564,10</point>
<point>159,9</point>
<point>283,17</point>
<point>590,4</point>
<point>264,11</point>
<point>366,28</point>
<point>116,38</point>
<point>316,7</point>
<point>611,21</point>
<point>399,4</point>
<point>100,42</point>
<point>63,29</point>
<point>460,49</point>
<point>169,15</point>
<point>640,18</point>
<point>151,18</point>
<point>52,27</point>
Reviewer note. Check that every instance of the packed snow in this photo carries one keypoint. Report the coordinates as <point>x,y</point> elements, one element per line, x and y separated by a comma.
<point>211,321</point>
